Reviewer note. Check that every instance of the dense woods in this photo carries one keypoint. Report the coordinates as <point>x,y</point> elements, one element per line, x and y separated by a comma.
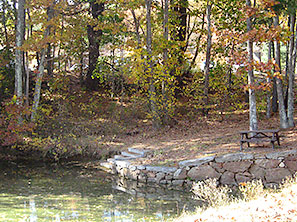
<point>68,67</point>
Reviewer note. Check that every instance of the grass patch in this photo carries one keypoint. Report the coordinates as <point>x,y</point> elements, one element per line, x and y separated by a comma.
<point>251,202</point>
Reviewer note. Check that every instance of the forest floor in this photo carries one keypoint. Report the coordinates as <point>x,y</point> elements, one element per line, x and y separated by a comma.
<point>195,139</point>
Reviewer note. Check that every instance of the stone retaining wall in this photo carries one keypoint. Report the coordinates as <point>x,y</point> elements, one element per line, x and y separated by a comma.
<point>229,169</point>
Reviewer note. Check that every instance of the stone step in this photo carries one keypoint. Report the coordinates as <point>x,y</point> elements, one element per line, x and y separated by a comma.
<point>129,154</point>
<point>107,165</point>
<point>120,157</point>
<point>141,152</point>
<point>111,160</point>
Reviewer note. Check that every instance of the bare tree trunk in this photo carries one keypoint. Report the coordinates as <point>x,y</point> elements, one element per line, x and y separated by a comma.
<point>251,81</point>
<point>291,72</point>
<point>197,47</point>
<point>20,29</point>
<point>268,98</point>
<point>207,62</point>
<point>50,13</point>
<point>281,104</point>
<point>136,23</point>
<point>152,89</point>
<point>165,114</point>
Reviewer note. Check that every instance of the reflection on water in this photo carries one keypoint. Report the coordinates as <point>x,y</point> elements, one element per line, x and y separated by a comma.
<point>61,194</point>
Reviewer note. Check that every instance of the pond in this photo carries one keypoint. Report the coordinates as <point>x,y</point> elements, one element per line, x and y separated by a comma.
<point>56,193</point>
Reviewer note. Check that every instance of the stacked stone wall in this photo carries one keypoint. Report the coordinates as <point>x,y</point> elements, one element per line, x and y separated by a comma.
<point>228,169</point>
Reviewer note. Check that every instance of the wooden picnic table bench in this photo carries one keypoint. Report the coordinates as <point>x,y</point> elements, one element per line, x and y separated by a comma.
<point>251,136</point>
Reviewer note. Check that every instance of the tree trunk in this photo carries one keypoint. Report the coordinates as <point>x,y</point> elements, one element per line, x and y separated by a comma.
<point>20,29</point>
<point>136,23</point>
<point>152,89</point>
<point>251,81</point>
<point>50,14</point>
<point>268,98</point>
<point>4,22</point>
<point>274,103</point>
<point>207,62</point>
<point>94,37</point>
<point>291,73</point>
<point>281,104</point>
<point>165,116</point>
<point>180,34</point>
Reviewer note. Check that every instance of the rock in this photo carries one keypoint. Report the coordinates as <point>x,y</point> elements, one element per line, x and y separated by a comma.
<point>228,178</point>
<point>217,166</point>
<point>276,175</point>
<point>122,163</point>
<point>163,182</point>
<point>259,156</point>
<point>283,154</point>
<point>133,155</point>
<point>292,165</point>
<point>243,178</point>
<point>196,162</point>
<point>133,174</point>
<point>267,163</point>
<point>257,172</point>
<point>203,173</point>
<point>282,165</point>
<point>292,158</point>
<point>151,174</point>
<point>177,182</point>
<point>143,153</point>
<point>151,180</point>
<point>160,176</point>
<point>142,178</point>
<point>107,165</point>
<point>180,174</point>
<point>236,167</point>
<point>140,167</point>
<point>161,169</point>
<point>120,157</point>
<point>234,157</point>
<point>131,167</point>
<point>168,177</point>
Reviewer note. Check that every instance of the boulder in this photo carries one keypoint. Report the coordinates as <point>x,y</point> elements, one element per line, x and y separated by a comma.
<point>217,166</point>
<point>203,173</point>
<point>234,157</point>
<point>177,182</point>
<point>292,165</point>
<point>276,175</point>
<point>196,162</point>
<point>257,172</point>
<point>243,177</point>
<point>228,178</point>
<point>268,163</point>
<point>236,167</point>
<point>180,174</point>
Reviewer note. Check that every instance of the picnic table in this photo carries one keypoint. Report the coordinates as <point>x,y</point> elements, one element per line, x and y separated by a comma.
<point>254,136</point>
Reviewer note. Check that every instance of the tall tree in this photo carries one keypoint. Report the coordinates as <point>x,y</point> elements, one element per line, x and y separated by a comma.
<point>207,62</point>
<point>94,37</point>
<point>279,85</point>
<point>165,115</point>
<point>40,73</point>
<point>251,81</point>
<point>150,69</point>
<point>20,29</point>
<point>291,70</point>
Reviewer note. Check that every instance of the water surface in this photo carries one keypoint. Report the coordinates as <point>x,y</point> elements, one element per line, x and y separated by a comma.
<point>55,193</point>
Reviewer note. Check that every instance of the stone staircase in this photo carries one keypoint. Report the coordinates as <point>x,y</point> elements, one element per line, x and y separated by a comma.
<point>124,158</point>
